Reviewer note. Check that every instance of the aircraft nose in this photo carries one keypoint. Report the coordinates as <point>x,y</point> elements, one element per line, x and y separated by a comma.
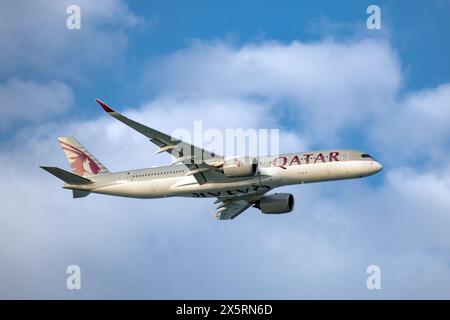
<point>376,166</point>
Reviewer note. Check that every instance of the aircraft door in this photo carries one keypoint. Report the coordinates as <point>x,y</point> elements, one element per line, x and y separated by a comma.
<point>124,177</point>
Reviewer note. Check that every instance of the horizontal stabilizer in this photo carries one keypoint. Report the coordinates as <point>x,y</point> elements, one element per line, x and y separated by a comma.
<point>66,176</point>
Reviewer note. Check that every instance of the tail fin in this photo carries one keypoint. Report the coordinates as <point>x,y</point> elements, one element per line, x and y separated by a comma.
<point>83,163</point>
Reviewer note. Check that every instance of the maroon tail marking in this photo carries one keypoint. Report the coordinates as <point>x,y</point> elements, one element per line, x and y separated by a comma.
<point>79,159</point>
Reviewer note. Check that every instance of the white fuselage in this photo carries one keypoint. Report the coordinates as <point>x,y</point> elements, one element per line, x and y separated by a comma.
<point>275,171</point>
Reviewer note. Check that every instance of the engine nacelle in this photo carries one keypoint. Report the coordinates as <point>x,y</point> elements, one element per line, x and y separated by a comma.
<point>240,167</point>
<point>276,203</point>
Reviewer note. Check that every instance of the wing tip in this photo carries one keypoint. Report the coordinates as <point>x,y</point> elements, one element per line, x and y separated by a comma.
<point>104,106</point>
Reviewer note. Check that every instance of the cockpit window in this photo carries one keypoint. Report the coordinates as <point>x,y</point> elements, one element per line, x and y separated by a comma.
<point>365,155</point>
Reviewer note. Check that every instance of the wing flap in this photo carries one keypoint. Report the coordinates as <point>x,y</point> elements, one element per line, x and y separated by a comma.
<point>230,208</point>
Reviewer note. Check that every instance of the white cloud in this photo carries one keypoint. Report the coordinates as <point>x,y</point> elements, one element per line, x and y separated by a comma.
<point>416,128</point>
<point>40,55</point>
<point>29,101</point>
<point>35,39</point>
<point>324,89</point>
<point>330,86</point>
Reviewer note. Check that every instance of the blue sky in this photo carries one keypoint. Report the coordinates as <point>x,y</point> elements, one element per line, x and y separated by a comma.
<point>414,27</point>
<point>312,69</point>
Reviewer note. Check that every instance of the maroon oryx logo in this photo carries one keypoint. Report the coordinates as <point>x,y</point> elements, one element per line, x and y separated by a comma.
<point>80,162</point>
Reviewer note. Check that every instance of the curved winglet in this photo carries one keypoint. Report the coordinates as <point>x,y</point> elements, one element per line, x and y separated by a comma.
<point>104,106</point>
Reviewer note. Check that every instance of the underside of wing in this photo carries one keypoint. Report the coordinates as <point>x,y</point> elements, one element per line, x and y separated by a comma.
<point>230,208</point>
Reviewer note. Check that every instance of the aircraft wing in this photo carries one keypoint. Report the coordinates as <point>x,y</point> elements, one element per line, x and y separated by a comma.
<point>200,162</point>
<point>230,207</point>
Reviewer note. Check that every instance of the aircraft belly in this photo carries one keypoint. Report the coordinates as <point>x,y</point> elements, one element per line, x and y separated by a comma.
<point>332,171</point>
<point>314,172</point>
<point>245,187</point>
<point>139,189</point>
<point>349,169</point>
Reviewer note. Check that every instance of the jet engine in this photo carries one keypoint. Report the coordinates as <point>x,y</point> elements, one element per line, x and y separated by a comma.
<point>240,167</point>
<point>276,203</point>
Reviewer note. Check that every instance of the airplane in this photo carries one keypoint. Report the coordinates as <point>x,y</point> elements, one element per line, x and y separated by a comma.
<point>237,183</point>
